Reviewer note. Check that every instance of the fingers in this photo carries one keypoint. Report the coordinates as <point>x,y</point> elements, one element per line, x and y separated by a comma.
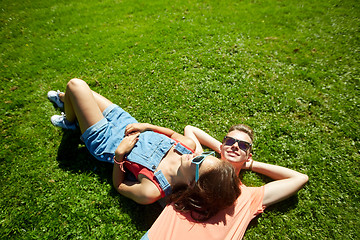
<point>127,144</point>
<point>129,129</point>
<point>133,136</point>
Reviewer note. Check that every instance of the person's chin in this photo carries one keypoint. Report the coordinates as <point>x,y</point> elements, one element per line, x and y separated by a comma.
<point>233,159</point>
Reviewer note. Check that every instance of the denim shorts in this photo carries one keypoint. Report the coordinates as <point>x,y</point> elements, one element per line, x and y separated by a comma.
<point>102,138</point>
<point>146,236</point>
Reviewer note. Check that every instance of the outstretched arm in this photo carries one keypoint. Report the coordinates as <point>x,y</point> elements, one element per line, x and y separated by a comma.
<point>201,138</point>
<point>287,182</point>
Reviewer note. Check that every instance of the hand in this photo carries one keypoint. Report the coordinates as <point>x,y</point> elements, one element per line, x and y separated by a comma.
<point>135,128</point>
<point>248,165</point>
<point>126,145</point>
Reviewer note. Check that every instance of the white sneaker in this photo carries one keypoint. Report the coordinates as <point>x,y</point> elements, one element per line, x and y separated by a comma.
<point>53,96</point>
<point>61,121</point>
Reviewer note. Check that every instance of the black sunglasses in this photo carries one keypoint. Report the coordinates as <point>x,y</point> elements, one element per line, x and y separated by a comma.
<point>242,144</point>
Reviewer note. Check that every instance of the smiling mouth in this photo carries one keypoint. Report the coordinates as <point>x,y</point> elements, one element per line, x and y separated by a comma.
<point>233,154</point>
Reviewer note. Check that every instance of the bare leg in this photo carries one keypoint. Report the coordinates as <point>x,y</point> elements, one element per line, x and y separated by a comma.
<point>101,101</point>
<point>83,104</point>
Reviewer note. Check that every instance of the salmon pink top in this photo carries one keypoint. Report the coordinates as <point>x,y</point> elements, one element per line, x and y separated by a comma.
<point>230,223</point>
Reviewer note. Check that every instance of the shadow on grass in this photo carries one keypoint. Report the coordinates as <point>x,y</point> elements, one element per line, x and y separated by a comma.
<point>73,156</point>
<point>142,215</point>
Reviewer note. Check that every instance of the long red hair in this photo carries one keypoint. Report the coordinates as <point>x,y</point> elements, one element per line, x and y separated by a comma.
<point>215,190</point>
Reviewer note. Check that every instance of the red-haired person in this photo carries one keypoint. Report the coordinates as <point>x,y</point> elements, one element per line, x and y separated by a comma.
<point>230,223</point>
<point>161,160</point>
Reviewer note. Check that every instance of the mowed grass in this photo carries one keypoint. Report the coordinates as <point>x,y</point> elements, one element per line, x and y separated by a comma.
<point>289,69</point>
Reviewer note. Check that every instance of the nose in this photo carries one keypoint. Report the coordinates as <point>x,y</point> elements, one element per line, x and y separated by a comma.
<point>235,145</point>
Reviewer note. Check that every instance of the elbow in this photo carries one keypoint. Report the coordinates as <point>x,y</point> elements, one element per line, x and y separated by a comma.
<point>303,178</point>
<point>188,126</point>
<point>188,129</point>
<point>116,185</point>
<point>306,178</point>
<point>149,196</point>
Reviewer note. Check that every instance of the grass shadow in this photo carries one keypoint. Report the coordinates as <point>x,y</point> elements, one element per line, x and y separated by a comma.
<point>143,216</point>
<point>73,156</point>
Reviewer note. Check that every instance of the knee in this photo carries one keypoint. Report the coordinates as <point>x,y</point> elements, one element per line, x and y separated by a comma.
<point>75,83</point>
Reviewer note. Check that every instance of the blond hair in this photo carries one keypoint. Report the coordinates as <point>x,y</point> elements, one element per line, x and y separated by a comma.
<point>243,128</point>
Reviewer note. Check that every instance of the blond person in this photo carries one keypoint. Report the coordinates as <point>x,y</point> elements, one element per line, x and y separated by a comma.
<point>232,222</point>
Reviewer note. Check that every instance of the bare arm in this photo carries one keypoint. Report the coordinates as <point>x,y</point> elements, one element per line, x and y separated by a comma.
<point>201,138</point>
<point>287,182</point>
<point>141,127</point>
<point>144,191</point>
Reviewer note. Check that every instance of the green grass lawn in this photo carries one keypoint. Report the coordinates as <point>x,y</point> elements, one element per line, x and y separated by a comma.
<point>289,69</point>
